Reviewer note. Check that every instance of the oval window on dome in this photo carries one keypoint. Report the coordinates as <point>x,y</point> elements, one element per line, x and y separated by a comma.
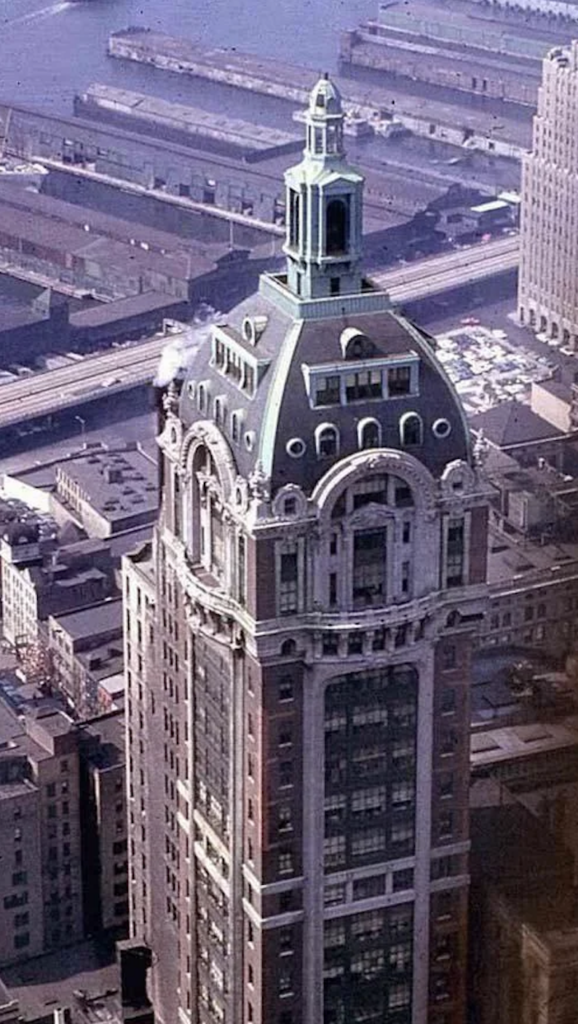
<point>442,428</point>
<point>296,447</point>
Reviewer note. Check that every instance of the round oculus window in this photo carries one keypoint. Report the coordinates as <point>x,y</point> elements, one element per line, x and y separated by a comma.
<point>250,438</point>
<point>442,428</point>
<point>296,447</point>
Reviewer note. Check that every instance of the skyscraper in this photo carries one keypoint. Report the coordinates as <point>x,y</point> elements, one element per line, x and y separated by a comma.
<point>548,281</point>
<point>298,646</point>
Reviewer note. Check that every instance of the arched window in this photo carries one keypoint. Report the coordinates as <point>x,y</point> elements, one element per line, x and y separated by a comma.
<point>337,227</point>
<point>219,410</point>
<point>206,528</point>
<point>236,423</point>
<point>294,219</point>
<point>369,434</point>
<point>201,397</point>
<point>410,429</point>
<point>288,648</point>
<point>327,441</point>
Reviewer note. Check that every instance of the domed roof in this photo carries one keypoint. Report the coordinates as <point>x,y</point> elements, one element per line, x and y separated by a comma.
<point>275,399</point>
<point>325,98</point>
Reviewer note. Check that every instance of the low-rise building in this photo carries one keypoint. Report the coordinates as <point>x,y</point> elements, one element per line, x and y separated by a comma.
<point>109,491</point>
<point>86,648</point>
<point>42,580</point>
<point>103,491</point>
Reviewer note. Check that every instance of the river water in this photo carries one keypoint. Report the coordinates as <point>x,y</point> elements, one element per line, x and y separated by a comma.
<point>48,51</point>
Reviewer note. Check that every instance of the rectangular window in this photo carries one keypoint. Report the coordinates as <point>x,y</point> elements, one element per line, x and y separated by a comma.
<point>286,689</point>
<point>241,597</point>
<point>288,583</point>
<point>327,391</point>
<point>368,844</point>
<point>369,567</point>
<point>366,888</point>
<point>286,863</point>
<point>363,385</point>
<point>455,555</point>
<point>399,381</point>
<point>334,851</point>
<point>448,701</point>
<point>334,893</point>
<point>403,880</point>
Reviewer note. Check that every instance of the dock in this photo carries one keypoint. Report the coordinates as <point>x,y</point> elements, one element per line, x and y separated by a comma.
<point>453,124</point>
<point>184,124</point>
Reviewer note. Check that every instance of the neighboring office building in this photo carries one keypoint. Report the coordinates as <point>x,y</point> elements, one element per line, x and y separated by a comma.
<point>529,457</point>
<point>524,934</point>
<point>317,575</point>
<point>547,297</point>
<point>40,881</point>
<point>39,581</point>
<point>104,811</point>
<point>140,627</point>
<point>63,828</point>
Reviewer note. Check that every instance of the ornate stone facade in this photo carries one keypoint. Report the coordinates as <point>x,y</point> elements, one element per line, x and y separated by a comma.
<point>319,572</point>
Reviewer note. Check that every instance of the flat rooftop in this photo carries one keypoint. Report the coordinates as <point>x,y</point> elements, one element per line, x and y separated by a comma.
<point>461,22</point>
<point>44,983</point>
<point>512,423</point>
<point>516,742</point>
<point>95,222</point>
<point>512,559</point>
<point>102,313</point>
<point>188,119</point>
<point>99,618</point>
<point>117,484</point>
<point>60,236</point>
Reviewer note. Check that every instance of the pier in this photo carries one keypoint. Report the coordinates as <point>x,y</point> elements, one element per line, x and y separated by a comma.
<point>438,120</point>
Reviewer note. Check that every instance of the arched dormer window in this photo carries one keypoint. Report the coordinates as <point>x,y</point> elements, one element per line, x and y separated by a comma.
<point>410,430</point>
<point>337,227</point>
<point>327,441</point>
<point>356,345</point>
<point>369,434</point>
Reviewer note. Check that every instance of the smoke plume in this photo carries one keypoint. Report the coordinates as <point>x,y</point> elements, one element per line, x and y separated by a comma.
<point>180,350</point>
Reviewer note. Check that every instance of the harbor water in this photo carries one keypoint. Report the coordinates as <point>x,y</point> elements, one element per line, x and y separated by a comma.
<point>49,51</point>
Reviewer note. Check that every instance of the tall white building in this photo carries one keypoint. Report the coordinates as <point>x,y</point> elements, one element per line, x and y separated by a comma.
<point>548,283</point>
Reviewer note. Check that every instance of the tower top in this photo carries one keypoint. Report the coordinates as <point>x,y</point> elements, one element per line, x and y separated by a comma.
<point>324,205</point>
<point>325,99</point>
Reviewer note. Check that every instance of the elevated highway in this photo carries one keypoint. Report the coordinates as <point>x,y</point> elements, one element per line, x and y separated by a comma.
<point>451,270</point>
<point>94,377</point>
<point>122,369</point>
